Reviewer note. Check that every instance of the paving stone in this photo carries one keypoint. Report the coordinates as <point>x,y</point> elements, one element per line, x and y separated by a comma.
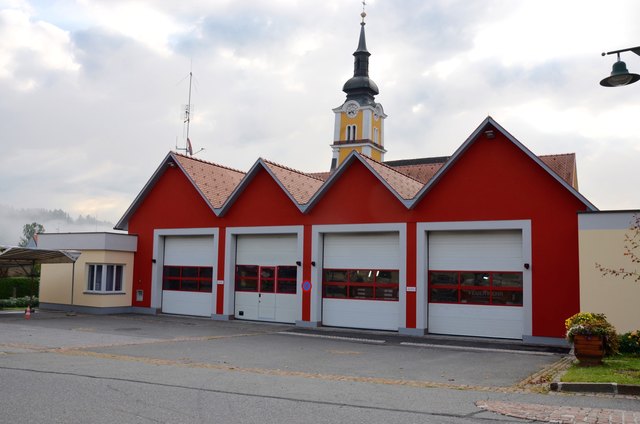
<point>560,414</point>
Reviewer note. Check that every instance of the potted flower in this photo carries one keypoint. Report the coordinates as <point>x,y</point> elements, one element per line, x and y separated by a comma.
<point>593,337</point>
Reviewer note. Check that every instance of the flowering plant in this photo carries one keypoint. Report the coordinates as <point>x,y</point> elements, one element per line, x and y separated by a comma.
<point>590,324</point>
<point>630,342</point>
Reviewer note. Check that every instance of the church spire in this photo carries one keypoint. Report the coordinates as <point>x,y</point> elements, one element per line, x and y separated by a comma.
<point>359,122</point>
<point>360,87</point>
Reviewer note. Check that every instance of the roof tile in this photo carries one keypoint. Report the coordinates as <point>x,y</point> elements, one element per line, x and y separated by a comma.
<point>301,186</point>
<point>406,186</point>
<point>216,182</point>
<point>564,165</point>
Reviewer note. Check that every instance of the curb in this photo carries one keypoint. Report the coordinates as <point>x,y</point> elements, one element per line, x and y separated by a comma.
<point>609,388</point>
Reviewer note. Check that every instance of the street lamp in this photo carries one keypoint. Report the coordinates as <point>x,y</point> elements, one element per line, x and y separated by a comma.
<point>620,75</point>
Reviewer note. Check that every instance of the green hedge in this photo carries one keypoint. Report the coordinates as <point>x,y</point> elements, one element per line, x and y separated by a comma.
<point>22,285</point>
<point>20,302</point>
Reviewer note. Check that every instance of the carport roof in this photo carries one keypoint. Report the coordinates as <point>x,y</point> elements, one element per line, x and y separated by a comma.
<point>17,256</point>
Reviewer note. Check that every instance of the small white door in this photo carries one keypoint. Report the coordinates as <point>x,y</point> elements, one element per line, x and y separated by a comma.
<point>267,306</point>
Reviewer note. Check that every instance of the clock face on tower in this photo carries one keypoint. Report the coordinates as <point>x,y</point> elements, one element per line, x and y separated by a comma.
<point>352,109</point>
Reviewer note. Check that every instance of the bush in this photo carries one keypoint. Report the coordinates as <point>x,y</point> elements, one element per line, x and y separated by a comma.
<point>22,285</point>
<point>590,324</point>
<point>18,302</point>
<point>630,342</point>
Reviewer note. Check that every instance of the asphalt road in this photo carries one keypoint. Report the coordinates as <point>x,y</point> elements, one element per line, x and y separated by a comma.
<point>142,369</point>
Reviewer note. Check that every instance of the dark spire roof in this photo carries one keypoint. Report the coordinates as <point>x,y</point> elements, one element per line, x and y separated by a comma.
<point>360,87</point>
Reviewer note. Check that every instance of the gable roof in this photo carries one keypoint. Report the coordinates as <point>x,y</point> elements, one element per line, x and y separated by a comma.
<point>403,187</point>
<point>422,172</point>
<point>564,165</point>
<point>214,182</point>
<point>490,124</point>
<point>423,169</point>
<point>409,179</point>
<point>297,185</point>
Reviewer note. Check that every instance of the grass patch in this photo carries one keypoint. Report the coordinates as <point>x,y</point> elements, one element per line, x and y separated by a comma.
<point>621,369</point>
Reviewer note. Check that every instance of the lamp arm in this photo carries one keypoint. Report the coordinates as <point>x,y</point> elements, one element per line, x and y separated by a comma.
<point>636,50</point>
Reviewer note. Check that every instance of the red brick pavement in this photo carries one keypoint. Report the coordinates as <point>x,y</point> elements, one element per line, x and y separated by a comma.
<point>560,414</point>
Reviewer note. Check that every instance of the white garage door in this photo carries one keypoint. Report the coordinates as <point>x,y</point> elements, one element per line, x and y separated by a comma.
<point>187,280</point>
<point>360,279</point>
<point>266,277</point>
<point>475,283</point>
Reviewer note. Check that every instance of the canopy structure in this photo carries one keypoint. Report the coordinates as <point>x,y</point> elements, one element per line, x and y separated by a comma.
<point>22,256</point>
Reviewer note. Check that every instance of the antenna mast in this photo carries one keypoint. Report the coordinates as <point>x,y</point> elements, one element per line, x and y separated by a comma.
<point>188,148</point>
<point>187,116</point>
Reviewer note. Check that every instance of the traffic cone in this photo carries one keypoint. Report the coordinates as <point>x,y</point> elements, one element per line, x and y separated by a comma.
<point>27,313</point>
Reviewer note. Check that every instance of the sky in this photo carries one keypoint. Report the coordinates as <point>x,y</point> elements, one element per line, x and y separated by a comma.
<point>92,91</point>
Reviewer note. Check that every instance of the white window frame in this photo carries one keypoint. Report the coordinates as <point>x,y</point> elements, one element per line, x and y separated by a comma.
<point>351,132</point>
<point>91,278</point>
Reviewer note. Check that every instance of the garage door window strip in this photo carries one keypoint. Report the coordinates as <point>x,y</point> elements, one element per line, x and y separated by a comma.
<point>281,279</point>
<point>365,284</point>
<point>188,278</point>
<point>478,288</point>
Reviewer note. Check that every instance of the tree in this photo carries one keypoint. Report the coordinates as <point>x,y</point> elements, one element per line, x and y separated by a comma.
<point>631,250</point>
<point>29,231</point>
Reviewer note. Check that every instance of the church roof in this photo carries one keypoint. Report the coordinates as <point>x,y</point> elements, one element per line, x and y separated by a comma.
<point>360,87</point>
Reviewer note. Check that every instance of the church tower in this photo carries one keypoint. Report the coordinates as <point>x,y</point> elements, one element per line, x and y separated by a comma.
<point>359,122</point>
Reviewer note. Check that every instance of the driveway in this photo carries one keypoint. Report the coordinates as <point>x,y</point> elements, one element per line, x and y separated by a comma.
<point>250,345</point>
<point>137,368</point>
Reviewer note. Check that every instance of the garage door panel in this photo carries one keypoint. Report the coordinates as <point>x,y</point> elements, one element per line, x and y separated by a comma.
<point>362,250</point>
<point>189,251</point>
<point>286,308</point>
<point>376,315</point>
<point>267,250</point>
<point>187,303</point>
<point>475,250</point>
<point>246,305</point>
<point>272,252</point>
<point>476,320</point>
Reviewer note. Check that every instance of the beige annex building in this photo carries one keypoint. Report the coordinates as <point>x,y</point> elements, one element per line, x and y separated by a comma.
<point>602,240</point>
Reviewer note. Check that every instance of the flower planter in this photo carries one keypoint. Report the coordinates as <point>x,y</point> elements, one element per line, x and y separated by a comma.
<point>588,349</point>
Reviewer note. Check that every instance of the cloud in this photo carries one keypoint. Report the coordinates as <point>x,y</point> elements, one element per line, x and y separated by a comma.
<point>29,48</point>
<point>91,92</point>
